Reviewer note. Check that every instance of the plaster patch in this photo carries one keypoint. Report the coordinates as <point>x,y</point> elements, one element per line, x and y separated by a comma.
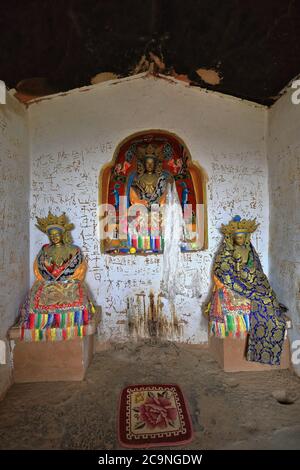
<point>210,76</point>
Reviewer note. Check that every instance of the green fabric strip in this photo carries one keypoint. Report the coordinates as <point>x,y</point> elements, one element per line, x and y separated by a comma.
<point>230,323</point>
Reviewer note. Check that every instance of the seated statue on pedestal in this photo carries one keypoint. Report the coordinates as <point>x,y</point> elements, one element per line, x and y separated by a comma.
<point>243,302</point>
<point>150,184</point>
<point>58,305</point>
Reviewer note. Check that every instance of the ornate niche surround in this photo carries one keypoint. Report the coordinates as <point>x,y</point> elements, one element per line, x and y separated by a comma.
<point>140,169</point>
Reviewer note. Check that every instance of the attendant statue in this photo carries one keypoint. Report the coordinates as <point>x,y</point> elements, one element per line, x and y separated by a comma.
<point>243,302</point>
<point>150,183</point>
<point>58,305</point>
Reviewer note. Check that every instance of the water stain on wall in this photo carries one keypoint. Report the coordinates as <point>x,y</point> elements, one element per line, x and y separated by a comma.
<point>146,318</point>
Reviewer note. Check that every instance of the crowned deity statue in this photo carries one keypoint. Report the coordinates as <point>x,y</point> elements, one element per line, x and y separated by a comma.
<point>58,306</point>
<point>150,182</point>
<point>243,302</point>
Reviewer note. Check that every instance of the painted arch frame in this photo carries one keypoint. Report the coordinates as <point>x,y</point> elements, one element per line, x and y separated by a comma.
<point>197,175</point>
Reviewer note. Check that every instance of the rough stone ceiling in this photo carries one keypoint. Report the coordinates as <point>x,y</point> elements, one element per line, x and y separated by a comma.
<point>245,48</point>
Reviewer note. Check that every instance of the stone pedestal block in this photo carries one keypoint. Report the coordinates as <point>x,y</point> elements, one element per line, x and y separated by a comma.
<point>230,353</point>
<point>52,361</point>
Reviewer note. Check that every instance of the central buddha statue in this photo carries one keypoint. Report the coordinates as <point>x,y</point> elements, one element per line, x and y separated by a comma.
<point>150,183</point>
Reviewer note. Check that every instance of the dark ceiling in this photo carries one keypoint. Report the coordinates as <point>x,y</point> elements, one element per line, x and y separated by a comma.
<point>253,45</point>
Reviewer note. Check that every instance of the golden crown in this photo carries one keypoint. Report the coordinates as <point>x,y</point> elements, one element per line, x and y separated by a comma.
<point>150,150</point>
<point>239,225</point>
<point>51,221</point>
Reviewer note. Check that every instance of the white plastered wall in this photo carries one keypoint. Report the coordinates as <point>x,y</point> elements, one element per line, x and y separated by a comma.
<point>14,225</point>
<point>73,135</point>
<point>283,149</point>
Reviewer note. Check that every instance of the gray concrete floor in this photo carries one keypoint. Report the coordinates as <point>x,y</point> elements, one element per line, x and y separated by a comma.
<point>229,411</point>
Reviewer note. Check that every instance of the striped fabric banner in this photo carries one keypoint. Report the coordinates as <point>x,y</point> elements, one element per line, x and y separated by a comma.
<point>235,326</point>
<point>56,326</point>
<point>55,334</point>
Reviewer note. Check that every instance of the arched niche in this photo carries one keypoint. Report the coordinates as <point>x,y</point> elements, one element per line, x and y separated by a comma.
<point>118,180</point>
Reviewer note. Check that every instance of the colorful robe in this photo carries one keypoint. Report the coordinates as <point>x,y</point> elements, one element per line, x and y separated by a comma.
<point>58,306</point>
<point>243,302</point>
<point>151,198</point>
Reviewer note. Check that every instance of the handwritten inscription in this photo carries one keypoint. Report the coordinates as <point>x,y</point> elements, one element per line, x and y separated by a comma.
<point>67,180</point>
<point>14,193</point>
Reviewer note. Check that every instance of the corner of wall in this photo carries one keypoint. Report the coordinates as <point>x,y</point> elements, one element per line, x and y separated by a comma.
<point>15,188</point>
<point>283,145</point>
<point>266,150</point>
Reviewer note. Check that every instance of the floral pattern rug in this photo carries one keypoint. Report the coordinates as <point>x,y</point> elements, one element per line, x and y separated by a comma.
<point>153,415</point>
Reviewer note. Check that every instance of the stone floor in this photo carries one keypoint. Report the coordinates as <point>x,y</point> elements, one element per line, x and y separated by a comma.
<point>228,410</point>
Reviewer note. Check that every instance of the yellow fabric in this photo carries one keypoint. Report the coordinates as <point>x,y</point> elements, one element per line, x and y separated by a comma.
<point>36,271</point>
<point>218,283</point>
<point>58,294</point>
<point>80,272</point>
<point>134,199</point>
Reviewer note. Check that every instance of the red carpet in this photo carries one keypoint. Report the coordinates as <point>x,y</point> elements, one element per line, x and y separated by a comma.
<point>153,415</point>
